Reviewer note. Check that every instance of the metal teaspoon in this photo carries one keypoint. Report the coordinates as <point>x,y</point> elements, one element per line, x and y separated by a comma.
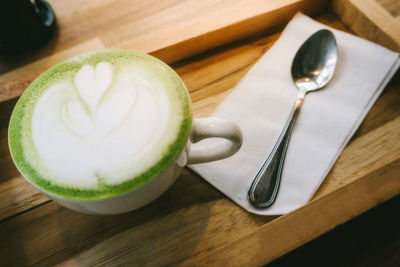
<point>312,68</point>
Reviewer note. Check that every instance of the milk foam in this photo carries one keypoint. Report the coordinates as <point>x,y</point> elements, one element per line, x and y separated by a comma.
<point>103,126</point>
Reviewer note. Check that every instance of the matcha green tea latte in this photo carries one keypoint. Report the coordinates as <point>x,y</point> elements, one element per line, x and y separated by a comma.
<point>100,124</point>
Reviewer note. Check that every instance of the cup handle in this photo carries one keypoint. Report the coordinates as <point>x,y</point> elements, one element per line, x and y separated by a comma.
<point>230,140</point>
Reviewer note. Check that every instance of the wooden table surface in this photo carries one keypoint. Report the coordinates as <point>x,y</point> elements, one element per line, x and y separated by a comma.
<point>192,223</point>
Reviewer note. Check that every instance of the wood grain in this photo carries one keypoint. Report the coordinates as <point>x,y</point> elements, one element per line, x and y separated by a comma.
<point>171,29</point>
<point>392,6</point>
<point>173,227</point>
<point>192,223</point>
<point>375,20</point>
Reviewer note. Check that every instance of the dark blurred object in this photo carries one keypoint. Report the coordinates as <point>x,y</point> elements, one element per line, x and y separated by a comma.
<point>24,25</point>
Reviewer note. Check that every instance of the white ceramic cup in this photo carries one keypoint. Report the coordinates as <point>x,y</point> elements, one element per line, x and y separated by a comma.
<point>84,77</point>
<point>194,152</point>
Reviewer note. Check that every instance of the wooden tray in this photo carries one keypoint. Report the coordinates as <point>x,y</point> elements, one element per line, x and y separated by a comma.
<point>375,20</point>
<point>192,223</point>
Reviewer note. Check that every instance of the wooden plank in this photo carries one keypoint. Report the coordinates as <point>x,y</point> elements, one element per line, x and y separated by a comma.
<point>175,223</point>
<point>371,20</point>
<point>172,29</point>
<point>392,6</point>
<point>207,24</point>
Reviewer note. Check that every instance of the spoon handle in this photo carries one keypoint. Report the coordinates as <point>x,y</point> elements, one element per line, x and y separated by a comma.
<point>264,189</point>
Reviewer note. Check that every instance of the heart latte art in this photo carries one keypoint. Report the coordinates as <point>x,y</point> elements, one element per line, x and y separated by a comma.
<point>100,124</point>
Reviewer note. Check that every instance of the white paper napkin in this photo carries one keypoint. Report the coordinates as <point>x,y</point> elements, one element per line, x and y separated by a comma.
<point>261,103</point>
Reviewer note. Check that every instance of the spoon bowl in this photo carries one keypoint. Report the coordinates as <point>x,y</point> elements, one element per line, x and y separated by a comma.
<point>312,68</point>
<point>315,61</point>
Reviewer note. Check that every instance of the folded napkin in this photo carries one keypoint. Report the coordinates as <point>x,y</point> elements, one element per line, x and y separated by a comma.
<point>261,103</point>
